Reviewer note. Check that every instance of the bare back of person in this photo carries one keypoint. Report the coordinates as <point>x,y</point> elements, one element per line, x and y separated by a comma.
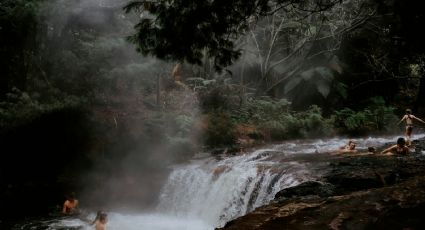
<point>400,148</point>
<point>100,223</point>
<point>70,206</point>
<point>409,118</point>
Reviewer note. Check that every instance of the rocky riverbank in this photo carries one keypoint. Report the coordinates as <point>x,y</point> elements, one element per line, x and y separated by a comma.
<point>358,191</point>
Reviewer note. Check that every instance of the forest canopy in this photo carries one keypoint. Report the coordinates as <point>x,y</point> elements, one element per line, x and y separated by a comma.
<point>191,30</point>
<point>372,42</point>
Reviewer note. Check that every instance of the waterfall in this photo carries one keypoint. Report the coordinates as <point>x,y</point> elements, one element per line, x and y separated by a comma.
<point>210,190</point>
<point>217,191</point>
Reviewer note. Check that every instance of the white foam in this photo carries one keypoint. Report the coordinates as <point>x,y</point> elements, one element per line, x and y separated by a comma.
<point>117,221</point>
<point>209,191</point>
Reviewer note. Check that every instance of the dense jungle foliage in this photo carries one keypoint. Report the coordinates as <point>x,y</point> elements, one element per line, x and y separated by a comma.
<point>209,75</point>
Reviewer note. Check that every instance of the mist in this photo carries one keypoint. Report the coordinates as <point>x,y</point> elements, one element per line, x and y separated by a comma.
<point>134,135</point>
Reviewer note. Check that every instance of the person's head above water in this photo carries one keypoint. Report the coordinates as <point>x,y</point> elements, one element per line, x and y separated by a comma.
<point>103,216</point>
<point>371,149</point>
<point>351,144</point>
<point>401,142</point>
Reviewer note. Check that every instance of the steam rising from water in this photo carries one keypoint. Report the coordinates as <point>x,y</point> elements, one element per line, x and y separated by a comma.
<point>209,191</point>
<point>84,43</point>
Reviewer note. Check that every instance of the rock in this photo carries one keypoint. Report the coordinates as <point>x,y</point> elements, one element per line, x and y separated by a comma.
<point>395,207</point>
<point>308,188</point>
<point>355,192</point>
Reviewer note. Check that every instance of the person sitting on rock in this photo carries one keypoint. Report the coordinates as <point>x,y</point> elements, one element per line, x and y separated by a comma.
<point>399,148</point>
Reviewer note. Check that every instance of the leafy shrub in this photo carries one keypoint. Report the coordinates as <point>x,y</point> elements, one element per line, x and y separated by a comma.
<point>352,122</point>
<point>261,110</point>
<point>220,130</point>
<point>277,122</point>
<point>21,108</point>
<point>293,124</point>
<point>383,116</point>
<point>315,124</point>
<point>376,117</point>
<point>275,130</point>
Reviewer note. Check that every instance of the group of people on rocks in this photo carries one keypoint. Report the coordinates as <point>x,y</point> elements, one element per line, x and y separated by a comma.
<point>402,146</point>
<point>70,207</point>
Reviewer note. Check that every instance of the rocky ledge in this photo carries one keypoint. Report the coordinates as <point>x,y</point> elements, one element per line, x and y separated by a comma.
<point>362,191</point>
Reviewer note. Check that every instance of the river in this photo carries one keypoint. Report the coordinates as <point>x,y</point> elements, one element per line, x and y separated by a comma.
<point>210,190</point>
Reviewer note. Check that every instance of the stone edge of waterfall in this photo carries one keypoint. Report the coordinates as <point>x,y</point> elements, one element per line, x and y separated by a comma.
<point>356,192</point>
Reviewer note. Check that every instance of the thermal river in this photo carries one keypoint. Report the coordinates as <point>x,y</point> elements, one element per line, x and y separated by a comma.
<point>209,190</point>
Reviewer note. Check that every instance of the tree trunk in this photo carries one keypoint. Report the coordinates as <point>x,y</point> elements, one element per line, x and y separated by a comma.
<point>158,90</point>
<point>420,99</point>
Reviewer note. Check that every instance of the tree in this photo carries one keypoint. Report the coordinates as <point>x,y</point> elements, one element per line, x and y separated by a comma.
<point>289,43</point>
<point>411,16</point>
<point>191,29</point>
<point>17,25</point>
<point>379,55</point>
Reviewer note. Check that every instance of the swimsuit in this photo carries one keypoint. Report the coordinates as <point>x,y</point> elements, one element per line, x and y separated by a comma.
<point>409,124</point>
<point>401,150</point>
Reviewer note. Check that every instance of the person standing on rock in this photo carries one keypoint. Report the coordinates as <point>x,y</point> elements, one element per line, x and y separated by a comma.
<point>409,117</point>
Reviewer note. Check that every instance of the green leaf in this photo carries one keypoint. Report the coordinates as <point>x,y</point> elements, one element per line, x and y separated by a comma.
<point>308,75</point>
<point>325,73</point>
<point>291,24</point>
<point>323,80</point>
<point>292,84</point>
<point>323,88</point>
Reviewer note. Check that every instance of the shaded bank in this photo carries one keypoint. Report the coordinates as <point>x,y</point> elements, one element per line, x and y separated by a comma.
<point>38,162</point>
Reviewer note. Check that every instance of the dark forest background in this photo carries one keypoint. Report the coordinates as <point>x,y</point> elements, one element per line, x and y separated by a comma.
<point>81,110</point>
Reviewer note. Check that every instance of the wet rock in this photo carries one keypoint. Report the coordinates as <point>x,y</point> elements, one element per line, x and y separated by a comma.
<point>309,188</point>
<point>355,192</point>
<point>395,207</point>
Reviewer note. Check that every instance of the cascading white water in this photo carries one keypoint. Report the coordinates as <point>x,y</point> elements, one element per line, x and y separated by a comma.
<point>209,191</point>
<point>217,191</point>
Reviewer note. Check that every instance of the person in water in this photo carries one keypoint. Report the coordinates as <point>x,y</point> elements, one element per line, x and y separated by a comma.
<point>371,149</point>
<point>100,223</point>
<point>349,148</point>
<point>98,214</point>
<point>399,148</point>
<point>409,117</point>
<point>70,205</point>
